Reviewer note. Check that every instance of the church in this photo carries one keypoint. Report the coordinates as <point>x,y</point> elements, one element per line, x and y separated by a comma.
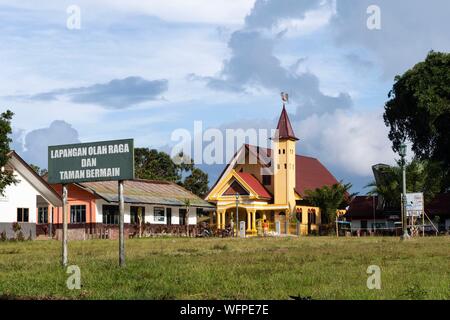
<point>270,189</point>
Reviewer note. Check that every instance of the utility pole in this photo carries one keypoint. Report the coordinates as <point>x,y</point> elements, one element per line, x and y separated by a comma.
<point>64,230</point>
<point>121,226</point>
<point>402,152</point>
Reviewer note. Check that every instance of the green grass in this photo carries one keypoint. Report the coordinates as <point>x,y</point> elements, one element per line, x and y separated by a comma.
<point>269,268</point>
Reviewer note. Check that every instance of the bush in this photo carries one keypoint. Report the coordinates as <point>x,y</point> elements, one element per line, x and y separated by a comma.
<point>20,236</point>
<point>3,236</point>
<point>16,227</point>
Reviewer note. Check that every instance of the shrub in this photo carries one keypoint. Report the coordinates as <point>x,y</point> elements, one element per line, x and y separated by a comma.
<point>3,236</point>
<point>20,236</point>
<point>16,227</point>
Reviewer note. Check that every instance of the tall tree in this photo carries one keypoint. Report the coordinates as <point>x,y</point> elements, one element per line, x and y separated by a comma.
<point>197,182</point>
<point>419,110</point>
<point>329,199</point>
<point>422,176</point>
<point>154,165</point>
<point>157,165</point>
<point>6,177</point>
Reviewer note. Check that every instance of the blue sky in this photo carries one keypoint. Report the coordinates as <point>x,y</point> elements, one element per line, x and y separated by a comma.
<point>142,69</point>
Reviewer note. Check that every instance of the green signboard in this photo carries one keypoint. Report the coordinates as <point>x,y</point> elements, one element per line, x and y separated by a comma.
<point>87,162</point>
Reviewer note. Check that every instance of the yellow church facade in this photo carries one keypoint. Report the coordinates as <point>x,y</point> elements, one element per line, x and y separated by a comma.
<point>267,187</point>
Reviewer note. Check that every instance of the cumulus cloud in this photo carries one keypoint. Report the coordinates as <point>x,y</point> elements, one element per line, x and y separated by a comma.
<point>115,94</point>
<point>350,141</point>
<point>253,62</point>
<point>33,146</point>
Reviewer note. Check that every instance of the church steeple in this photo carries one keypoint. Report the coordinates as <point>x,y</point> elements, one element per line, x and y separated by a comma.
<point>284,128</point>
<point>284,161</point>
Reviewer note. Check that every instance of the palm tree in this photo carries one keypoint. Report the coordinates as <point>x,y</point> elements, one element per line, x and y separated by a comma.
<point>187,205</point>
<point>329,199</point>
<point>422,176</point>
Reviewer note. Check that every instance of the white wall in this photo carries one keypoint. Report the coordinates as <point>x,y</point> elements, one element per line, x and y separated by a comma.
<point>356,224</point>
<point>21,195</point>
<point>149,213</point>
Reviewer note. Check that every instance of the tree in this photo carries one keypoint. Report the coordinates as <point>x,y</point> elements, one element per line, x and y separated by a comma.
<point>329,199</point>
<point>419,111</point>
<point>422,176</point>
<point>187,205</point>
<point>156,165</point>
<point>6,176</point>
<point>197,182</point>
<point>38,169</point>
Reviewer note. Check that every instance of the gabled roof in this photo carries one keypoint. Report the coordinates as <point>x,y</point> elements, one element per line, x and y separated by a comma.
<point>236,188</point>
<point>284,127</point>
<point>43,188</point>
<point>310,172</point>
<point>253,183</point>
<point>145,191</point>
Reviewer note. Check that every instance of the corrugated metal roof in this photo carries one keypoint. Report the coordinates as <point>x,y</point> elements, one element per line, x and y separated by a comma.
<point>145,191</point>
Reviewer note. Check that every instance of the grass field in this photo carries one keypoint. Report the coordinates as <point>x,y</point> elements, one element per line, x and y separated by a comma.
<point>275,268</point>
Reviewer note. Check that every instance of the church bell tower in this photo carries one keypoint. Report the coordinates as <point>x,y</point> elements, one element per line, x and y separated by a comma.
<point>284,159</point>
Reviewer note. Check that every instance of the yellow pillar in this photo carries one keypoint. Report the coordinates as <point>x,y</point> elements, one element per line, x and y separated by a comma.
<point>254,221</point>
<point>249,219</point>
<point>223,219</point>
<point>219,223</point>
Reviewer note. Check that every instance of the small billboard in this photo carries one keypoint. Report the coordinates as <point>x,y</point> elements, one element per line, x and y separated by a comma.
<point>414,204</point>
<point>89,162</point>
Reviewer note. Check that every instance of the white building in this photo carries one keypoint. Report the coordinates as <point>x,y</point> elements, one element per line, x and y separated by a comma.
<point>20,201</point>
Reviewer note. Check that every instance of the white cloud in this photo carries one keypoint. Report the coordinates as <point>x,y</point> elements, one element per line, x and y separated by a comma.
<point>311,22</point>
<point>352,141</point>
<point>193,11</point>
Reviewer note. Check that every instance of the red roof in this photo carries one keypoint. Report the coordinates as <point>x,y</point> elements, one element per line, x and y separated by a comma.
<point>284,127</point>
<point>255,185</point>
<point>439,205</point>
<point>311,174</point>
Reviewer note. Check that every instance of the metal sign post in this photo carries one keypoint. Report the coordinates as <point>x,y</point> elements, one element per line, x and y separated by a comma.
<point>64,231</point>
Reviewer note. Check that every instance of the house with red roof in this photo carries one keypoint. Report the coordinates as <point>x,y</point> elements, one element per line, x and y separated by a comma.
<point>268,186</point>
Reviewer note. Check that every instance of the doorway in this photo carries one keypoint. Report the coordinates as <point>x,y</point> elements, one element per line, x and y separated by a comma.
<point>182,214</point>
